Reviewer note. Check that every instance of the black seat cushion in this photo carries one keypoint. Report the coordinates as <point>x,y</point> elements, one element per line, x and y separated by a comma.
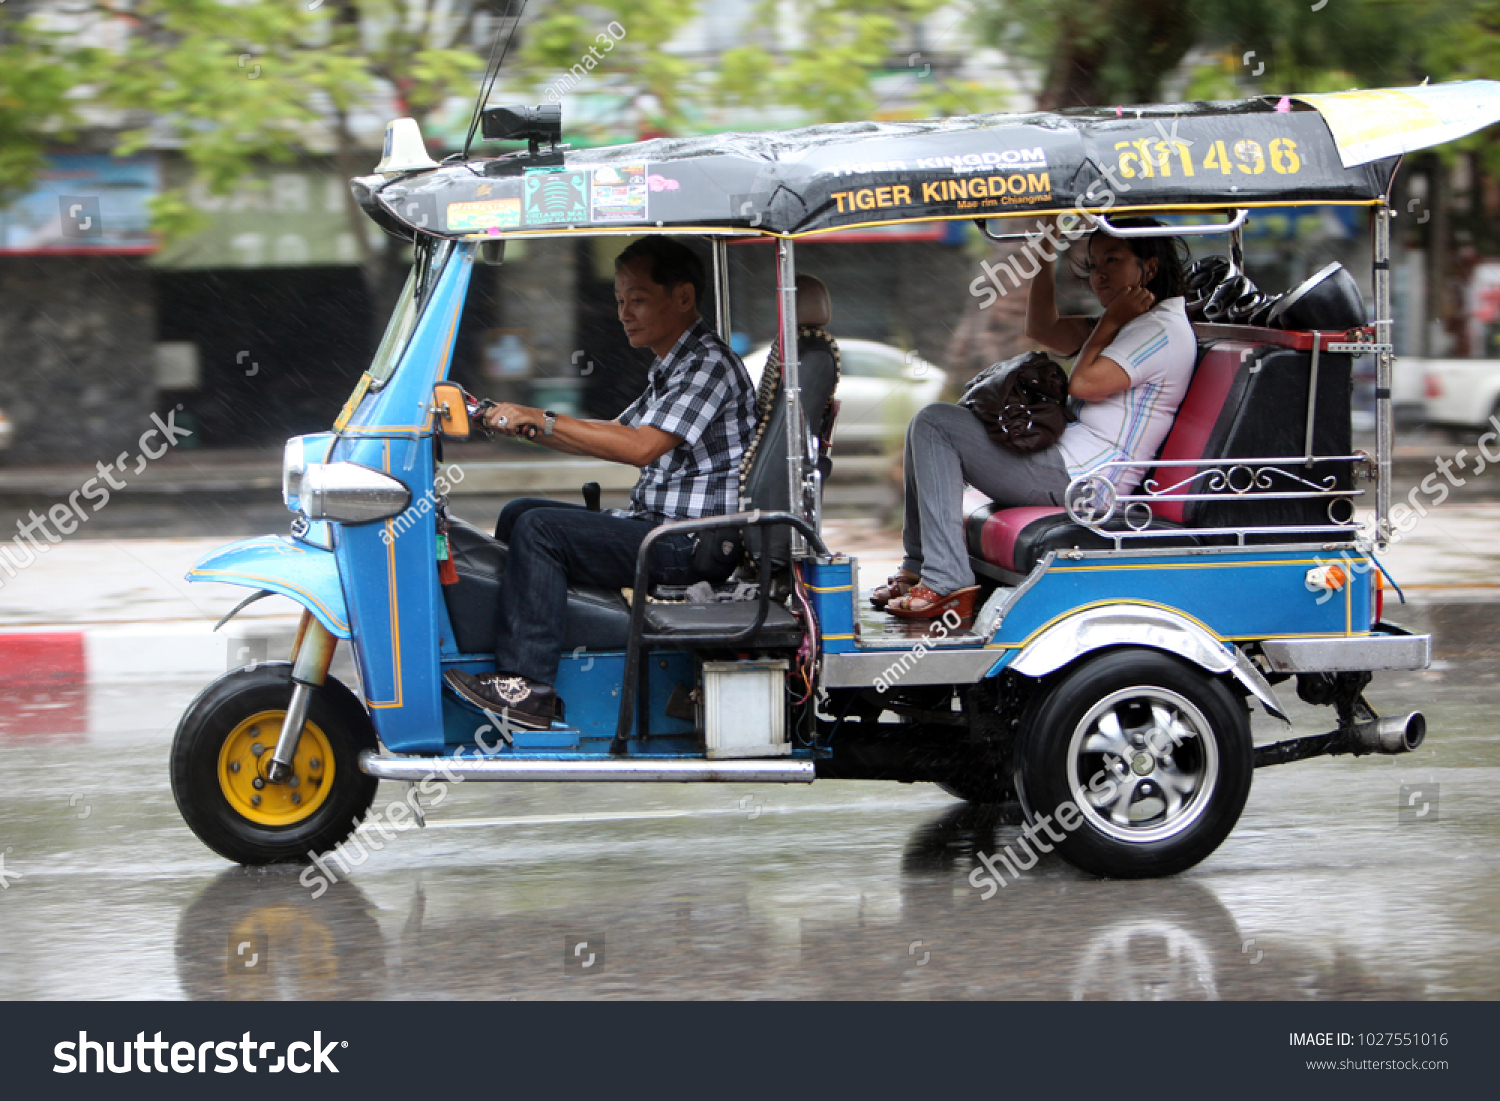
<point>597,619</point>
<point>781,628</point>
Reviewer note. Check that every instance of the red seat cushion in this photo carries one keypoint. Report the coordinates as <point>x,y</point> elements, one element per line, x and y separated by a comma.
<point>997,538</point>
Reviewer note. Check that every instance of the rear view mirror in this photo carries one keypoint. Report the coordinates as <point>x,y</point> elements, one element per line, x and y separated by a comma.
<point>452,412</point>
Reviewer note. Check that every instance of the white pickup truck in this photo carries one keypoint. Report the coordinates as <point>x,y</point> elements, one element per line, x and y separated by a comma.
<point>1462,394</point>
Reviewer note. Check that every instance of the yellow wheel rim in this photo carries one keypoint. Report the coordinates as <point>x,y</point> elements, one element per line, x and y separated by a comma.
<point>245,756</point>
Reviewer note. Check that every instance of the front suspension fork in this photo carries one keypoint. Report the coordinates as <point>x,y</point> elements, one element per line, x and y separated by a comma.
<point>312,653</point>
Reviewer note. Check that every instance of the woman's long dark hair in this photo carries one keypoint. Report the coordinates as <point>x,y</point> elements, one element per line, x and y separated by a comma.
<point>1170,254</point>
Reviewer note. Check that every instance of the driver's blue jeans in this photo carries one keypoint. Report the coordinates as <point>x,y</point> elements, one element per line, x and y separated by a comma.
<point>553,544</point>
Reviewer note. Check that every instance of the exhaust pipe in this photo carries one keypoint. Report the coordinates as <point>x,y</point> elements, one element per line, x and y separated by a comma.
<point>1378,736</point>
<point>630,769</point>
<point>1391,735</point>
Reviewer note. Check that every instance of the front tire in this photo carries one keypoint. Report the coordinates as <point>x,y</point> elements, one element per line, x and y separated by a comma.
<point>219,758</point>
<point>1153,755</point>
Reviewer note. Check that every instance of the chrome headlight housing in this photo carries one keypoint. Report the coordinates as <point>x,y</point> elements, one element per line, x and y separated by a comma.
<point>349,493</point>
<point>293,464</point>
<point>299,452</point>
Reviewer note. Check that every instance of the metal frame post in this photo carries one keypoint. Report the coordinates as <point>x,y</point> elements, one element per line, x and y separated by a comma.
<point>796,434</point>
<point>721,287</point>
<point>1384,367</point>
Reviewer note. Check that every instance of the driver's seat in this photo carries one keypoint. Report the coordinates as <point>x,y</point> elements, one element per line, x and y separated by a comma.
<point>763,477</point>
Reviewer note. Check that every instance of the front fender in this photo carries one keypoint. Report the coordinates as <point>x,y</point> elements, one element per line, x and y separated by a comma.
<point>1141,625</point>
<point>309,575</point>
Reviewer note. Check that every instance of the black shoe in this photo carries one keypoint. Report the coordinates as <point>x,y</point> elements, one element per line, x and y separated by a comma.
<point>520,702</point>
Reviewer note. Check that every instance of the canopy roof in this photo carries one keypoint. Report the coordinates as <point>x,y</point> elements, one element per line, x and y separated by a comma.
<point>1342,148</point>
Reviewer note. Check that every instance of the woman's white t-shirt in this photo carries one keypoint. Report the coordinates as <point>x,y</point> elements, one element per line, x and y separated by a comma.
<point>1157,350</point>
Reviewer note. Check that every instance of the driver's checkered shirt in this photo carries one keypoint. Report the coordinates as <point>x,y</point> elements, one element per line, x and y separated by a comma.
<point>701,392</point>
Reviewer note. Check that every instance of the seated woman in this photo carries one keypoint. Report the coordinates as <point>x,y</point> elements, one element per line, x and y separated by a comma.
<point>1133,368</point>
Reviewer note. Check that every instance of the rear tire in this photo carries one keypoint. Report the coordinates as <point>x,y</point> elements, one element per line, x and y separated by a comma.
<point>223,745</point>
<point>1153,754</point>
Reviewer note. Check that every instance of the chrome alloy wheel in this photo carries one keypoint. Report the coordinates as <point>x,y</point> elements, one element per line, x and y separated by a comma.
<point>1142,764</point>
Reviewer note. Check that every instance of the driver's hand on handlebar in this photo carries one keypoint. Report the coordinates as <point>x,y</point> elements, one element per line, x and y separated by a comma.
<point>511,419</point>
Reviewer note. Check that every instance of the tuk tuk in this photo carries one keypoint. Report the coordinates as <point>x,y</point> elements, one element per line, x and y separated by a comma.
<point>1104,685</point>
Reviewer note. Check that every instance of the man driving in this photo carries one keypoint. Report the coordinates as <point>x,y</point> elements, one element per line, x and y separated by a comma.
<point>687,432</point>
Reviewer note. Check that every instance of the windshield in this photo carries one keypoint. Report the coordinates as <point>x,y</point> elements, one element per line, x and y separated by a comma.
<point>428,265</point>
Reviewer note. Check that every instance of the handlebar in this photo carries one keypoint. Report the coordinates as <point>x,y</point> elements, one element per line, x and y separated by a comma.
<point>478,407</point>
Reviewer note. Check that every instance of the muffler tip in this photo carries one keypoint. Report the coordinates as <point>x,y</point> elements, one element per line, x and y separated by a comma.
<point>1392,735</point>
<point>1416,730</point>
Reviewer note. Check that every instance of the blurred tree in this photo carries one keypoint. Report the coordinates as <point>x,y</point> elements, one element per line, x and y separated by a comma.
<point>1096,52</point>
<point>37,75</point>
<point>654,80</point>
<point>820,55</point>
<point>840,47</point>
<point>241,81</point>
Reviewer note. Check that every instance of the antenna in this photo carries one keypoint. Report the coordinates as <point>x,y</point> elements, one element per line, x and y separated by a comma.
<point>491,73</point>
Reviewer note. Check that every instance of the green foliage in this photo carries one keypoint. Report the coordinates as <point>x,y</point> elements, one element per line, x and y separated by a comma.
<point>231,82</point>
<point>566,31</point>
<point>1121,51</point>
<point>36,77</point>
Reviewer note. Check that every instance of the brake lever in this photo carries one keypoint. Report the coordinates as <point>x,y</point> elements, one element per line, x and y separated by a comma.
<point>478,407</point>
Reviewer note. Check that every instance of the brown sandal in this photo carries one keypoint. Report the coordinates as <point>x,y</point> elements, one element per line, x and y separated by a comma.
<point>898,584</point>
<point>923,603</point>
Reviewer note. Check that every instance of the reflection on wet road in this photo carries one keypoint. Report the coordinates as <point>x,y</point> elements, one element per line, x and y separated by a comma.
<point>1375,878</point>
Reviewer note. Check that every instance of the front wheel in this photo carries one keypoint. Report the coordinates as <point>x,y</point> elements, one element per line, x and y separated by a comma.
<point>223,747</point>
<point>1140,762</point>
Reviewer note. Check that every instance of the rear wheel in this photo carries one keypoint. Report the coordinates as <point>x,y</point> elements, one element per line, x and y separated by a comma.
<point>1140,761</point>
<point>222,750</point>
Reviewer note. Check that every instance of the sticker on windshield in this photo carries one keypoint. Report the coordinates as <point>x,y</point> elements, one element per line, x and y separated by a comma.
<point>620,193</point>
<point>557,197</point>
<point>486,214</point>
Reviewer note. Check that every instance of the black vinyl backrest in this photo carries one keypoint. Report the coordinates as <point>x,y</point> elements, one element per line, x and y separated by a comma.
<point>1265,415</point>
<point>763,481</point>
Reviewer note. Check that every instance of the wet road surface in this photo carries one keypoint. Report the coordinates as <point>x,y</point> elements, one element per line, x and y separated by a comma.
<point>1336,884</point>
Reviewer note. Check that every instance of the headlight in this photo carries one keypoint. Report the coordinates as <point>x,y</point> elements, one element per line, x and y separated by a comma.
<point>299,452</point>
<point>293,464</point>
<point>349,493</point>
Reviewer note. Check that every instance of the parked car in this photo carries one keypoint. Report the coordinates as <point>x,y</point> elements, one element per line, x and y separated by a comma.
<point>1462,394</point>
<point>881,387</point>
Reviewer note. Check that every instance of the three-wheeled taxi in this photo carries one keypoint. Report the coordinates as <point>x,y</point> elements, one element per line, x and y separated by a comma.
<point>1105,683</point>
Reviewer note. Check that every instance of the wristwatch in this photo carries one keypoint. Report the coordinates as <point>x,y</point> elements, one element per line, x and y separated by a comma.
<point>549,422</point>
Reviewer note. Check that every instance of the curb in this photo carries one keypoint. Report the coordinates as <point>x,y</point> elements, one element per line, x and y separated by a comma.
<point>104,652</point>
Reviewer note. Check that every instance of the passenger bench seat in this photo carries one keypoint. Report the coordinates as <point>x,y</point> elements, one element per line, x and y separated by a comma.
<point>1236,405</point>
